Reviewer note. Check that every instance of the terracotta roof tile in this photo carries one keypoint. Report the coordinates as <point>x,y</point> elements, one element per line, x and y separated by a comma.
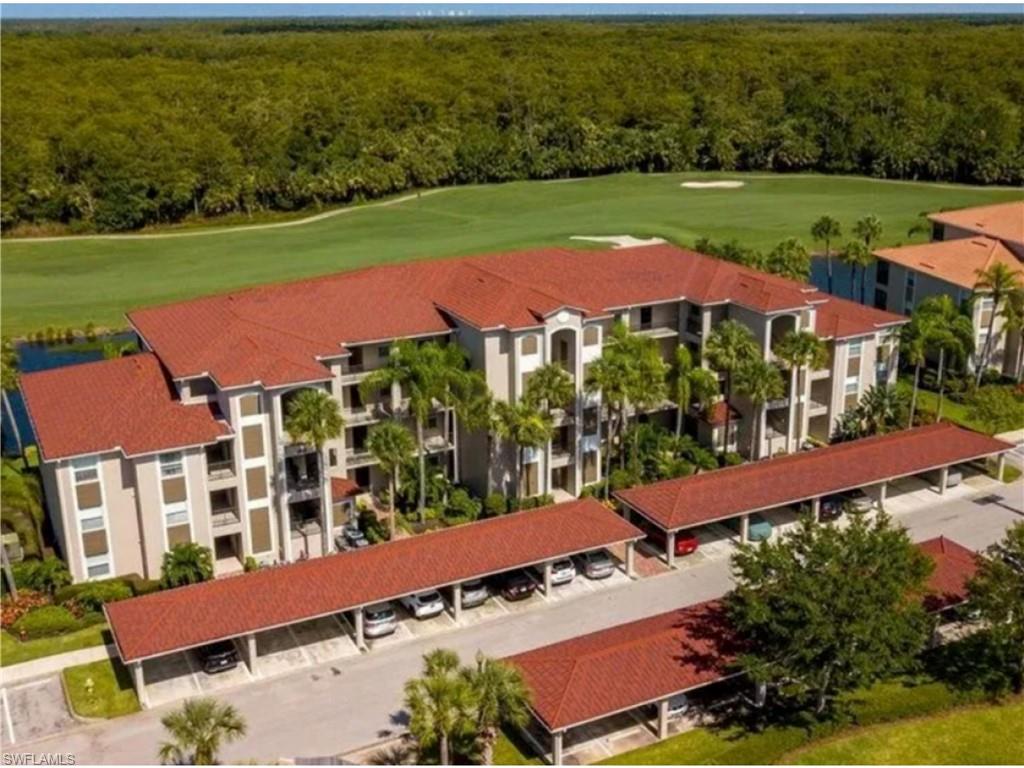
<point>955,261</point>
<point>278,334</point>
<point>955,565</point>
<point>343,488</point>
<point>599,674</point>
<point>126,404</point>
<point>696,499</point>
<point>1004,221</point>
<point>163,622</point>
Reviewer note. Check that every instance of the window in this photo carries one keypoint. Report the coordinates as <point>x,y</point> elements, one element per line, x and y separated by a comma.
<point>851,390</point>
<point>176,515</point>
<point>384,352</point>
<point>249,405</point>
<point>332,457</point>
<point>908,292</point>
<point>882,272</point>
<point>86,470</point>
<point>855,348</point>
<point>591,335</point>
<point>646,317</point>
<point>88,493</point>
<point>881,299</point>
<point>529,345</point>
<point>987,305</point>
<point>355,359</point>
<point>97,567</point>
<point>171,464</point>
<point>201,387</point>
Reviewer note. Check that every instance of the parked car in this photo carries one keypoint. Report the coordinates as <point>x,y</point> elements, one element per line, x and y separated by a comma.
<point>758,530</point>
<point>474,593</point>
<point>686,541</point>
<point>379,620</point>
<point>218,657</point>
<point>597,564</point>
<point>857,500</point>
<point>562,571</point>
<point>953,479</point>
<point>515,585</point>
<point>678,706</point>
<point>423,605</point>
<point>831,509</point>
<point>352,538</point>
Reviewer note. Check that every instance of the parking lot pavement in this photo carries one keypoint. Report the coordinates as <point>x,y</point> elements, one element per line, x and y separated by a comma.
<point>435,625</point>
<point>648,560</point>
<point>717,541</point>
<point>169,678</point>
<point>229,678</point>
<point>33,710</point>
<point>325,639</point>
<point>783,519</point>
<point>913,493</point>
<point>400,635</point>
<point>536,600</point>
<point>488,611</point>
<point>278,651</point>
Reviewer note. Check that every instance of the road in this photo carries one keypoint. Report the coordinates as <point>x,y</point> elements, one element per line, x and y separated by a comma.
<point>341,706</point>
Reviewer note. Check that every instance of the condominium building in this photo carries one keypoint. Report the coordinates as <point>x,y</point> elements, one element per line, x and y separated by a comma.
<point>186,441</point>
<point>964,242</point>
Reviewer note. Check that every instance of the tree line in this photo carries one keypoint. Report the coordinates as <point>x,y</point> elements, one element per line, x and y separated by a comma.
<point>117,126</point>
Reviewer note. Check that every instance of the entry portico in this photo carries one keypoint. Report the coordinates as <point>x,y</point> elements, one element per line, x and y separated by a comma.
<point>180,619</point>
<point>738,492</point>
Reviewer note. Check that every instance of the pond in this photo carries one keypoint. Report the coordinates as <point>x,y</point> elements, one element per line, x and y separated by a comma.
<point>34,356</point>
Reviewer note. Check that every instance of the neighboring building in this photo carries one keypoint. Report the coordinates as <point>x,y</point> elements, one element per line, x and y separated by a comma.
<point>963,243</point>
<point>215,465</point>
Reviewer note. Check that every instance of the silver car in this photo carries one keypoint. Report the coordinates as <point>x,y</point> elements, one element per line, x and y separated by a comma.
<point>562,571</point>
<point>424,605</point>
<point>379,620</point>
<point>597,564</point>
<point>474,593</point>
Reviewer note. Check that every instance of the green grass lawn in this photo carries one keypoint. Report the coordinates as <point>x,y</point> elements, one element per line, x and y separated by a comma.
<point>883,703</point>
<point>13,651</point>
<point>972,736</point>
<point>101,689</point>
<point>72,282</point>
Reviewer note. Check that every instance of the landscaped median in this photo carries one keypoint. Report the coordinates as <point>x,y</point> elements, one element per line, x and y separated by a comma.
<point>926,706</point>
<point>14,651</point>
<point>100,689</point>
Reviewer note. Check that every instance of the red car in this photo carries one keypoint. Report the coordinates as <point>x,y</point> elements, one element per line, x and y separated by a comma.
<point>686,541</point>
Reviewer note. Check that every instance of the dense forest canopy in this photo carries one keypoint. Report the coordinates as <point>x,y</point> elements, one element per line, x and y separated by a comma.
<point>118,126</point>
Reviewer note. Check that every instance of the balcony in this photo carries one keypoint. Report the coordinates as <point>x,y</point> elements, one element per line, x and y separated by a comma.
<point>437,443</point>
<point>561,456</point>
<point>353,374</point>
<point>657,332</point>
<point>357,456</point>
<point>366,414</point>
<point>694,327</point>
<point>302,477</point>
<point>223,517</point>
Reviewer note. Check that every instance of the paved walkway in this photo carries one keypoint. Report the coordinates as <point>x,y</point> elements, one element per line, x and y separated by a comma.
<point>342,705</point>
<point>49,665</point>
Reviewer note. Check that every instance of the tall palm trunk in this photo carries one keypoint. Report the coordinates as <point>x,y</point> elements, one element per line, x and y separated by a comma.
<point>942,384</point>
<point>755,429</point>
<point>422,457</point>
<point>863,284</point>
<point>987,349</point>
<point>728,409</point>
<point>679,420</point>
<point>14,422</point>
<point>445,757</point>
<point>913,395</point>
<point>489,736</point>
<point>795,391</point>
<point>520,470</point>
<point>12,588</point>
<point>828,263</point>
<point>392,490</point>
<point>608,454</point>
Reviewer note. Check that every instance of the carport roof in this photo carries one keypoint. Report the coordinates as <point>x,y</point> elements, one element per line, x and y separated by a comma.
<point>724,493</point>
<point>593,676</point>
<point>165,622</point>
<point>955,565</point>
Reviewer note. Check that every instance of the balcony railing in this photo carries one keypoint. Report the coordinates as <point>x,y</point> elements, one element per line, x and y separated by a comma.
<point>220,470</point>
<point>657,332</point>
<point>223,516</point>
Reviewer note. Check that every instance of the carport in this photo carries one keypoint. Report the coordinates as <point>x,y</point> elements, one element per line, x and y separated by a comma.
<point>578,683</point>
<point>276,599</point>
<point>738,492</point>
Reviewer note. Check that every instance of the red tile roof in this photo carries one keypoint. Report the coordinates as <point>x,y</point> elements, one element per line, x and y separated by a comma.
<point>1004,221</point>
<point>716,416</point>
<point>955,565</point>
<point>180,618</point>
<point>955,261</point>
<point>277,334</point>
<point>125,404</point>
<point>596,675</point>
<point>724,493</point>
<point>343,488</point>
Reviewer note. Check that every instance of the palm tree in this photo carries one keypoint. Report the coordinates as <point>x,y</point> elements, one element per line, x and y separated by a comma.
<point>914,349</point>
<point>392,446</point>
<point>761,382</point>
<point>998,281</point>
<point>681,383</point>
<point>859,257</point>
<point>187,563</point>
<point>647,386</point>
<point>799,350</point>
<point>881,408</point>
<point>704,384</point>
<point>21,505</point>
<point>313,417</point>
<point>609,376</point>
<point>827,230</point>
<point>8,383</point>
<point>949,331</point>
<point>526,426</point>
<point>869,230</point>
<point>500,697</point>
<point>1012,314</point>
<point>440,703</point>
<point>197,731</point>
<point>550,387</point>
<point>728,346</point>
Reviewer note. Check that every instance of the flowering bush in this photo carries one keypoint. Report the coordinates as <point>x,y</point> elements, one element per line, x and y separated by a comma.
<point>13,609</point>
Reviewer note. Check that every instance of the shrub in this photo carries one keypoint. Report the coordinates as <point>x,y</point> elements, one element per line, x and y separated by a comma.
<point>372,528</point>
<point>45,622</point>
<point>622,478</point>
<point>14,609</point>
<point>463,506</point>
<point>90,331</point>
<point>188,563</point>
<point>139,585</point>
<point>495,504</point>
<point>730,459</point>
<point>250,564</point>
<point>47,575</point>
<point>91,597</point>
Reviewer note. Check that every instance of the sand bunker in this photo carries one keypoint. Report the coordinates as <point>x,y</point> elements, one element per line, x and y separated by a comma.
<point>712,184</point>
<point>621,241</point>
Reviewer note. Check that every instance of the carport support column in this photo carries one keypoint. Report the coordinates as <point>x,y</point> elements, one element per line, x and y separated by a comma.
<point>670,548</point>
<point>630,558</point>
<point>943,479</point>
<point>1001,468</point>
<point>556,747</point>
<point>883,489</point>
<point>457,602</point>
<point>816,508</point>
<point>745,528</point>
<point>139,680</point>
<point>663,719</point>
<point>547,578</point>
<point>360,638</point>
<point>250,654</point>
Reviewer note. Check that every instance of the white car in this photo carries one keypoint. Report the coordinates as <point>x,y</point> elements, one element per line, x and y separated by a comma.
<point>423,605</point>
<point>597,564</point>
<point>379,620</point>
<point>562,571</point>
